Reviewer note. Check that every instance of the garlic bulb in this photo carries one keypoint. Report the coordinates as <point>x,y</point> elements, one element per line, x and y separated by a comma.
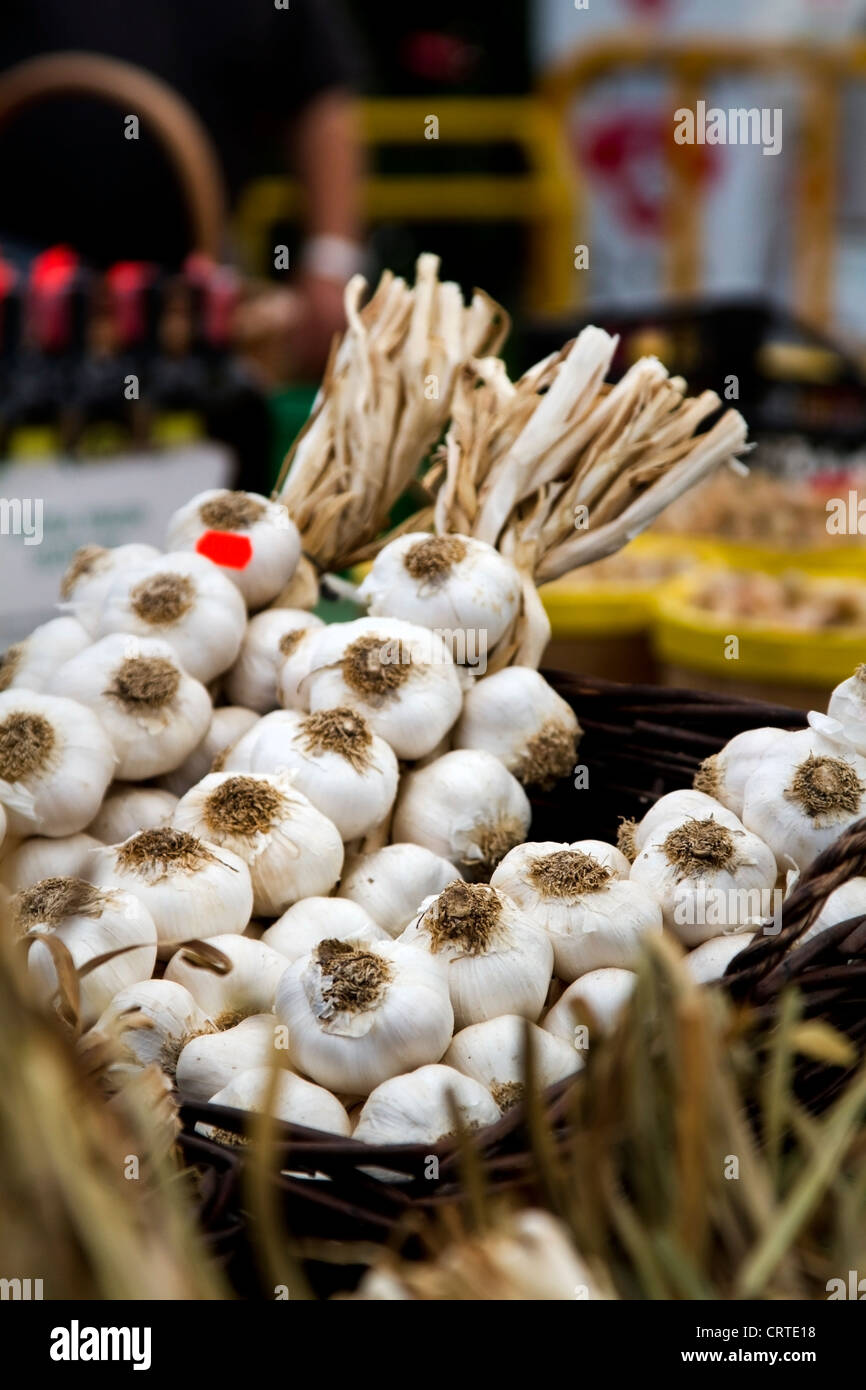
<point>848,707</point>
<point>290,848</point>
<point>247,987</point>
<point>400,677</point>
<point>494,1053</point>
<point>127,809</point>
<point>253,541</point>
<point>151,1022</point>
<point>391,883</point>
<point>228,724</point>
<point>454,583</point>
<point>676,806</point>
<point>31,664</point>
<point>191,889</point>
<point>465,807</point>
<point>89,923</point>
<point>725,774</point>
<point>348,772</point>
<point>55,763</point>
<point>802,796</point>
<point>357,1014</point>
<point>296,1101</point>
<point>845,902</point>
<point>708,962</point>
<point>595,1000</point>
<point>185,600</point>
<point>498,961</point>
<point>594,915</point>
<point>418,1107</point>
<point>708,876</point>
<point>313,920</point>
<point>153,712</point>
<point>91,573</point>
<point>210,1061</point>
<point>296,650</point>
<point>519,718</point>
<point>40,857</point>
<point>270,637</point>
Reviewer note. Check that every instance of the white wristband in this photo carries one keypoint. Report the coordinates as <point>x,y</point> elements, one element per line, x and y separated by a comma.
<point>333,258</point>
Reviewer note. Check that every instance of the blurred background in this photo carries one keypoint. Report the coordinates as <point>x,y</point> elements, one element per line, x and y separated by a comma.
<point>188,189</point>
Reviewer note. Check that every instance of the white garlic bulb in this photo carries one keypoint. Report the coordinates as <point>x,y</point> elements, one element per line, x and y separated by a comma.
<point>708,962</point>
<point>725,774</point>
<point>802,796</point>
<point>151,1021</point>
<point>185,600</point>
<point>848,707</point>
<point>708,876</point>
<point>466,807</point>
<point>594,1001</point>
<point>418,1107</point>
<point>294,669</point>
<point>90,924</point>
<point>67,856</point>
<point>92,571</point>
<point>456,584</point>
<point>228,724</point>
<point>594,915</point>
<point>391,883</point>
<point>153,712</point>
<point>253,541</point>
<point>313,920</point>
<point>845,902</point>
<point>494,1053</point>
<point>498,961</point>
<point>296,1101</point>
<point>270,637</point>
<point>210,1061</point>
<point>128,808</point>
<point>246,987</point>
<point>31,664</point>
<point>191,889</point>
<point>347,771</point>
<point>55,763</point>
<point>357,1014</point>
<point>518,717</point>
<point>400,677</point>
<point>677,806</point>
<point>291,849</point>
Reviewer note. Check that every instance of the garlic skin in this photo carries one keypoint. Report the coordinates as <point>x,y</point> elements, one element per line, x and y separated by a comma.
<point>399,676</point>
<point>228,724</point>
<point>707,963</point>
<point>466,807</point>
<point>270,638</point>
<point>391,883</point>
<point>55,763</point>
<point>247,987</point>
<point>152,1021</point>
<point>153,712</point>
<point>90,924</point>
<point>267,544</point>
<point>211,1060</point>
<point>456,583</point>
<point>804,794</point>
<point>519,718</point>
<point>313,920</point>
<point>498,961</point>
<point>296,1101</point>
<point>677,806</point>
<point>709,877</point>
<point>40,857</point>
<point>725,774</point>
<point>494,1054</point>
<point>291,850</point>
<point>599,997</point>
<point>848,900</point>
<point>414,1108</point>
<point>91,573</point>
<point>294,669</point>
<point>332,756</point>
<point>127,809</point>
<point>191,889</point>
<point>31,664</point>
<point>358,1014</point>
<point>593,913</point>
<point>184,600</point>
<point>848,707</point>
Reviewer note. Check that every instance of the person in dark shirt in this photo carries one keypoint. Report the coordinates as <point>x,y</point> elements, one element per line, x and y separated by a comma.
<point>266,81</point>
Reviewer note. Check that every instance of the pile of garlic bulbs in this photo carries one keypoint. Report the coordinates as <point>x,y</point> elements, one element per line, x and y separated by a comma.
<point>235,838</point>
